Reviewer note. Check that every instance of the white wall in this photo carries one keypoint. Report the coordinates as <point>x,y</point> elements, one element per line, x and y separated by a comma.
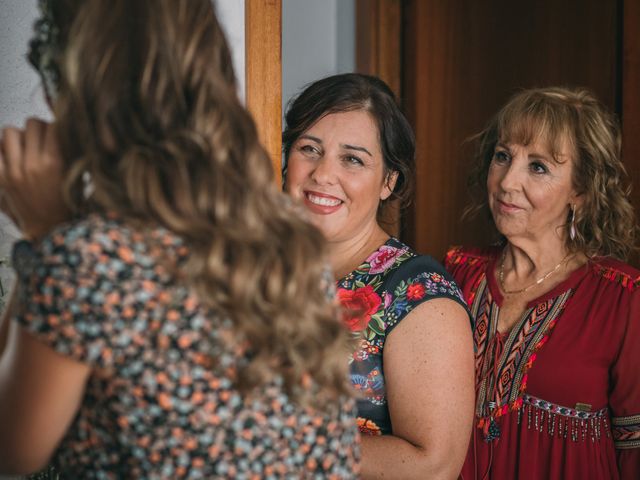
<point>20,91</point>
<point>231,15</point>
<point>318,39</point>
<point>21,95</point>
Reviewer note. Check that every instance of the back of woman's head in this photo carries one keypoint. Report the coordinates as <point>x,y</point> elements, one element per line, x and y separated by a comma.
<point>556,116</point>
<point>146,107</point>
<point>349,92</point>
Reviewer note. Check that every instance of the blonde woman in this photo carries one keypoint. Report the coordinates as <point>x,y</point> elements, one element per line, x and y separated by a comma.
<point>179,325</point>
<point>557,310</point>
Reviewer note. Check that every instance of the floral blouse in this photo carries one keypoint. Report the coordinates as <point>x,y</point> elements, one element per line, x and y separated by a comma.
<point>161,401</point>
<point>376,296</point>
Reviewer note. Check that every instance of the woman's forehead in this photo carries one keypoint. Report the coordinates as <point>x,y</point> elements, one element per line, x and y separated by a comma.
<point>556,139</point>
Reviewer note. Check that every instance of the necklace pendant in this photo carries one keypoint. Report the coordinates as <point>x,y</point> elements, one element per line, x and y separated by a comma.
<point>493,432</point>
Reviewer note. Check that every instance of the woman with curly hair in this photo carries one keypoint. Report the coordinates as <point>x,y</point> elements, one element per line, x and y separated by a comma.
<point>173,316</point>
<point>557,311</point>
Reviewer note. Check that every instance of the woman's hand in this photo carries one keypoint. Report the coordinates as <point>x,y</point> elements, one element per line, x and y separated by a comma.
<point>31,175</point>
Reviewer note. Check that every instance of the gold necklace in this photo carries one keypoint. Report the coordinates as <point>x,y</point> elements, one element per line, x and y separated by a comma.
<point>537,282</point>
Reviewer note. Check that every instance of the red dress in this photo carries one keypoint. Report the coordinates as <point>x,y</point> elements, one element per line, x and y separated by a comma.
<point>557,397</point>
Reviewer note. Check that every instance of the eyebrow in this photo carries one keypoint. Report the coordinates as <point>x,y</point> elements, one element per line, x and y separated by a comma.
<point>534,154</point>
<point>342,145</point>
<point>357,148</point>
<point>311,137</point>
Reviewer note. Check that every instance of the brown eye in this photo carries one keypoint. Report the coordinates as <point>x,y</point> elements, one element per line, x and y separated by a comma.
<point>538,167</point>
<point>353,160</point>
<point>500,156</point>
<point>309,149</point>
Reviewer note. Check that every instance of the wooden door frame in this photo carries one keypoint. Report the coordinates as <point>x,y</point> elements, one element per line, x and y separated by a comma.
<point>379,53</point>
<point>263,74</point>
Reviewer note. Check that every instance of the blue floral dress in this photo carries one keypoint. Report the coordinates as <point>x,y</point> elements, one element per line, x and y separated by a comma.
<point>376,296</point>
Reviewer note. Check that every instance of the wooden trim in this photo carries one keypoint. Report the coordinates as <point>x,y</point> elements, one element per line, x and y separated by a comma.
<point>378,52</point>
<point>378,40</point>
<point>263,67</point>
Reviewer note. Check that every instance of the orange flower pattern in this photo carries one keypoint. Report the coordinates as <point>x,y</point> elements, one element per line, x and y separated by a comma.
<point>368,427</point>
<point>111,295</point>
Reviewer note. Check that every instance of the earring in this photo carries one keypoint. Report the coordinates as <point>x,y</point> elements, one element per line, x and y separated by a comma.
<point>572,228</point>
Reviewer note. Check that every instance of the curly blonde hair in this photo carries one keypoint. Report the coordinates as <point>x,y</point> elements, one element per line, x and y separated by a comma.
<point>605,223</point>
<point>147,106</point>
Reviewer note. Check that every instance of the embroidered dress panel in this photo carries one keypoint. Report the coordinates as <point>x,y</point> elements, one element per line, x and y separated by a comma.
<point>626,431</point>
<point>502,380</point>
<point>566,421</point>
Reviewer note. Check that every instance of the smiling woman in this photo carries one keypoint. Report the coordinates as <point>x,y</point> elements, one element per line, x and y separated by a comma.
<point>349,149</point>
<point>336,168</point>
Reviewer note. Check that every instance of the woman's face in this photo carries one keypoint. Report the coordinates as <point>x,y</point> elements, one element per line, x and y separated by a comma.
<point>530,193</point>
<point>336,169</point>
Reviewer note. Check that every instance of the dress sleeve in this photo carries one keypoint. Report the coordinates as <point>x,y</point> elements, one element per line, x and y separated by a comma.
<point>64,300</point>
<point>416,281</point>
<point>625,395</point>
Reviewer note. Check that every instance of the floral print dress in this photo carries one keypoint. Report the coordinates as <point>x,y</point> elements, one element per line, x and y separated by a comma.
<point>376,296</point>
<point>161,400</point>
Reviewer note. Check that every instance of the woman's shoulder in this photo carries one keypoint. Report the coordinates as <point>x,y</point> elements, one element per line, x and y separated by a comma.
<point>99,234</point>
<point>410,263</point>
<point>470,256</point>
<point>615,272</point>
<point>422,273</point>
<point>81,231</point>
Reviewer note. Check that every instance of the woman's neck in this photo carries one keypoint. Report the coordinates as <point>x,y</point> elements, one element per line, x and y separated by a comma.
<point>525,266</point>
<point>524,261</point>
<point>348,254</point>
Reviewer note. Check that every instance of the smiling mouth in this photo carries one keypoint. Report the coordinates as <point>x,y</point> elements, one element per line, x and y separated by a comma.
<point>322,200</point>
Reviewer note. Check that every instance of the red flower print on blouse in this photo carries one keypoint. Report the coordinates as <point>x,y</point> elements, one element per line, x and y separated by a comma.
<point>415,291</point>
<point>358,306</point>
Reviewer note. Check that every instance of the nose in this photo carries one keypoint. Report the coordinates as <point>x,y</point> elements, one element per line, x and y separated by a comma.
<point>324,172</point>
<point>511,178</point>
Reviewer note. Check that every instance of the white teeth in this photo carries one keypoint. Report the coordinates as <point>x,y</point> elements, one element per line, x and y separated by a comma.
<point>325,202</point>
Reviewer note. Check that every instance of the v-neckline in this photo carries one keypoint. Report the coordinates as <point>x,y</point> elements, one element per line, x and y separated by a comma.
<point>566,284</point>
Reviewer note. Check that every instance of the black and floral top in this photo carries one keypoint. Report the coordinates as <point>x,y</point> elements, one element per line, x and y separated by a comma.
<point>161,400</point>
<point>376,296</point>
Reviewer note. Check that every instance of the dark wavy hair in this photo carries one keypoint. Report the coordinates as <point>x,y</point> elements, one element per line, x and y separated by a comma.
<point>350,92</point>
<point>146,107</point>
<point>605,223</point>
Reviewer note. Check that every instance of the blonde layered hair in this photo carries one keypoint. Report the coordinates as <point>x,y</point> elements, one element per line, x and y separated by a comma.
<point>605,223</point>
<point>147,106</point>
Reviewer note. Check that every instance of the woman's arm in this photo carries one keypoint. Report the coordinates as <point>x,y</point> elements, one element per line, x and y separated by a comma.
<point>624,399</point>
<point>40,391</point>
<point>428,371</point>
